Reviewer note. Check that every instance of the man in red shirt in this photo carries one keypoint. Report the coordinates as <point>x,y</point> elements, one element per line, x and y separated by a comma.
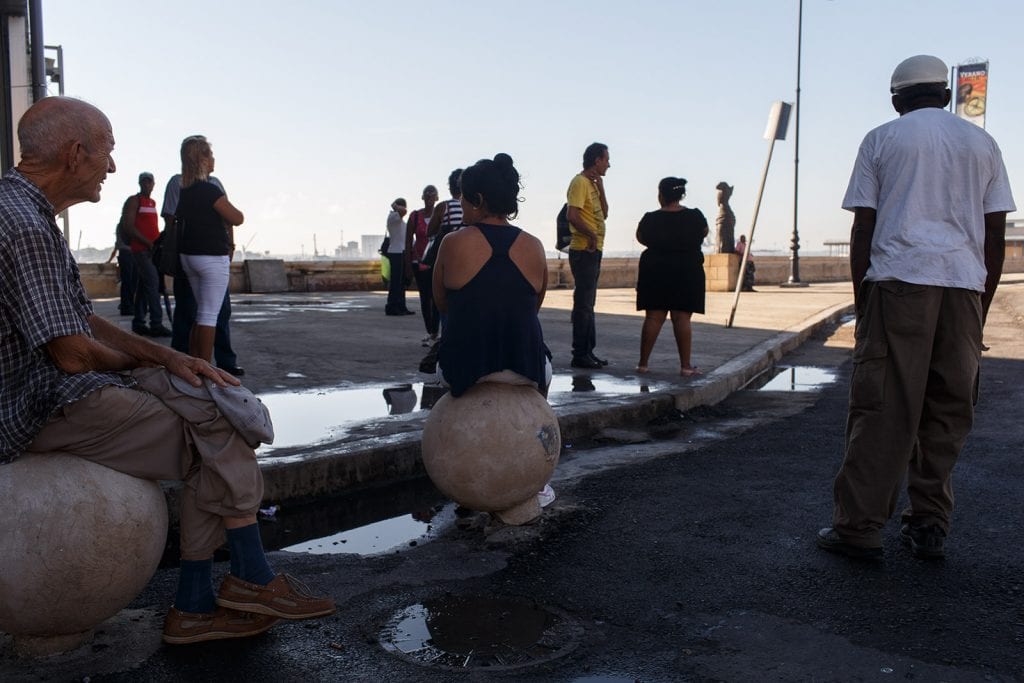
<point>140,220</point>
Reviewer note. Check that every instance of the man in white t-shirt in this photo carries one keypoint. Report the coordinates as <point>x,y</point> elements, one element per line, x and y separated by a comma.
<point>930,194</point>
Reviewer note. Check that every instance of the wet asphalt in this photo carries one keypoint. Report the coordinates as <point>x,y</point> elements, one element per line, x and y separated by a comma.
<point>678,551</point>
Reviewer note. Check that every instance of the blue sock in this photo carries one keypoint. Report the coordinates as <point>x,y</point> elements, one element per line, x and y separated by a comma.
<point>195,586</point>
<point>247,559</point>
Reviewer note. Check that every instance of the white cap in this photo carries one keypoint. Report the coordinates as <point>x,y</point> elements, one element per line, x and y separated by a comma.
<point>917,70</point>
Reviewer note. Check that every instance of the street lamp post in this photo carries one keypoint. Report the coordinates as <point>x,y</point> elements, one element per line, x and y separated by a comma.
<point>794,259</point>
<point>55,72</point>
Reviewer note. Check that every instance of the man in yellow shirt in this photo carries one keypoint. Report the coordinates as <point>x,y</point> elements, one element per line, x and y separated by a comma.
<point>588,209</point>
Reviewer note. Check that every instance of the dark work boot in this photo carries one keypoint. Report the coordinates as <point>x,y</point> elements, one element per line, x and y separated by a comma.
<point>925,541</point>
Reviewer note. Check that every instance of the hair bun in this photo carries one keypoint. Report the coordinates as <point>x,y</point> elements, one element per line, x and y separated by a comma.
<point>503,159</point>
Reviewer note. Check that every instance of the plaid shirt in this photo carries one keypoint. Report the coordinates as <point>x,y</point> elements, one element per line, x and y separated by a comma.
<point>41,298</point>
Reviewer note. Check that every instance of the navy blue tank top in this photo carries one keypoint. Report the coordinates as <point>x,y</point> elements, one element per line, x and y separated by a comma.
<point>492,321</point>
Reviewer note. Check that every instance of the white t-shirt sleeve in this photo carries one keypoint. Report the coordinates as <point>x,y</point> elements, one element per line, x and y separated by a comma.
<point>396,233</point>
<point>862,192</point>
<point>998,196</point>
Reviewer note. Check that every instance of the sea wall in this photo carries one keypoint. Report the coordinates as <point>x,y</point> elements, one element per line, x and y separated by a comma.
<point>100,279</point>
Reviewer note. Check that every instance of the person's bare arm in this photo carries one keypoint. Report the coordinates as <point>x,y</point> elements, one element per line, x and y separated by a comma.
<point>114,349</point>
<point>410,229</point>
<point>576,219</point>
<point>131,207</point>
<point>438,291</point>
<point>544,281</point>
<point>79,353</point>
<point>995,253</point>
<point>228,212</point>
<point>435,219</point>
<point>861,234</point>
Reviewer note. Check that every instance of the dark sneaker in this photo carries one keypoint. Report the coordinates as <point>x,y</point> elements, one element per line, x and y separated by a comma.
<point>235,370</point>
<point>159,331</point>
<point>587,363</point>
<point>140,330</point>
<point>830,540</point>
<point>602,361</point>
<point>926,542</point>
<point>183,628</point>
<point>285,597</point>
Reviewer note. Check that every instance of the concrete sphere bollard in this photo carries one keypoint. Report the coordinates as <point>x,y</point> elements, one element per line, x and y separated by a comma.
<point>79,541</point>
<point>493,449</point>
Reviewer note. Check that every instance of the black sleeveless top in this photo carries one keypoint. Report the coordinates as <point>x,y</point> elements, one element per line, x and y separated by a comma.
<point>204,232</point>
<point>492,321</point>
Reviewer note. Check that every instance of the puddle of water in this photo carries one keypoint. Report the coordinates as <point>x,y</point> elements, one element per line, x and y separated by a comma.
<point>371,539</point>
<point>461,632</point>
<point>262,312</point>
<point>320,415</point>
<point>314,307</point>
<point>798,378</point>
<point>365,523</point>
<point>600,384</point>
<point>311,417</point>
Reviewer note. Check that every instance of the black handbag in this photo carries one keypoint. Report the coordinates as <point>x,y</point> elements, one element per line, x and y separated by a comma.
<point>165,249</point>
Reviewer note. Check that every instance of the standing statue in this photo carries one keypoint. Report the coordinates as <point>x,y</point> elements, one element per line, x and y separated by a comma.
<point>726,220</point>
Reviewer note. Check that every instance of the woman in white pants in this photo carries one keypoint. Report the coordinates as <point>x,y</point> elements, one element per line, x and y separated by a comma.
<point>205,220</point>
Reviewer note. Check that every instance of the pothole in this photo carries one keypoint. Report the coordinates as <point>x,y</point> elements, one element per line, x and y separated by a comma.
<point>464,633</point>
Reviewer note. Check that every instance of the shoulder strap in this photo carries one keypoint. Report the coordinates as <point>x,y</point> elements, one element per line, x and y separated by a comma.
<point>500,239</point>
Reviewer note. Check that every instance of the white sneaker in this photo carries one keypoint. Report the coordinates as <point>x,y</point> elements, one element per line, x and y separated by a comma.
<point>546,496</point>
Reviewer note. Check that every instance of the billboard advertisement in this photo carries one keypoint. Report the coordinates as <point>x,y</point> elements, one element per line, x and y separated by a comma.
<point>972,91</point>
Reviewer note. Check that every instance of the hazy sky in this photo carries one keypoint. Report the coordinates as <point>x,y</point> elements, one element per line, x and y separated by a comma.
<point>322,112</point>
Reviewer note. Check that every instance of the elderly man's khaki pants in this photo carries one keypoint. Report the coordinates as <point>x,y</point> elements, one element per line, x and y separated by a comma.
<point>167,436</point>
<point>912,398</point>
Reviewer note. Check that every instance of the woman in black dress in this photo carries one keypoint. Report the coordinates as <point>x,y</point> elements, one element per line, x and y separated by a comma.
<point>671,276</point>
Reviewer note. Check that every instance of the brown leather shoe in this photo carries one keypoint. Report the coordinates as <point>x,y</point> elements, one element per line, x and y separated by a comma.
<point>285,597</point>
<point>183,628</point>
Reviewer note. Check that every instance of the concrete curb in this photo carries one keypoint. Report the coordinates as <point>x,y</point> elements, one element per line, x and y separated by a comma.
<point>343,467</point>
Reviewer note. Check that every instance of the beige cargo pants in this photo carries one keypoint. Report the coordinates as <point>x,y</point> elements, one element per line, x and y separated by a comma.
<point>912,396</point>
<point>164,435</point>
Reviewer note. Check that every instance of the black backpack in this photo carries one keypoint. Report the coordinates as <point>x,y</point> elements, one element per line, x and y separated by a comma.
<point>563,236</point>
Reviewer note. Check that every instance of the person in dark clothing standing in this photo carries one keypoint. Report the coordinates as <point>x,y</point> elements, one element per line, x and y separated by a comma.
<point>671,274</point>
<point>140,222</point>
<point>125,270</point>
